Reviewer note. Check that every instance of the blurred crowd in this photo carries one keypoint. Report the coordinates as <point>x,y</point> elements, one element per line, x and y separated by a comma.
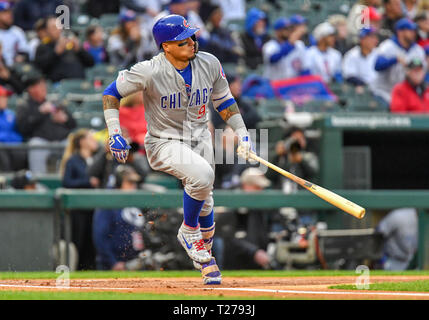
<point>375,46</point>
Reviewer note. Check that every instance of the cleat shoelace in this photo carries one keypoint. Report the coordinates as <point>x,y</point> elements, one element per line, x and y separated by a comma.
<point>199,245</point>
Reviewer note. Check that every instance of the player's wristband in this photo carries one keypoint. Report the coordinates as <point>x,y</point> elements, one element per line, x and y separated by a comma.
<point>237,124</point>
<point>112,121</point>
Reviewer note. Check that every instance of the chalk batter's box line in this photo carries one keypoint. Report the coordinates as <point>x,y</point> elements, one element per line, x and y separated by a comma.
<point>404,294</point>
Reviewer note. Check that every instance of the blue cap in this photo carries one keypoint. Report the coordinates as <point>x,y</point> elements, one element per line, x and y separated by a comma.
<point>297,19</point>
<point>405,24</point>
<point>178,1</point>
<point>5,5</point>
<point>128,15</point>
<point>366,32</point>
<point>281,23</point>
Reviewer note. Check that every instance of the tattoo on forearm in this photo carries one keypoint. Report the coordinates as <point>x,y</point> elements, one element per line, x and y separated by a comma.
<point>229,112</point>
<point>110,102</point>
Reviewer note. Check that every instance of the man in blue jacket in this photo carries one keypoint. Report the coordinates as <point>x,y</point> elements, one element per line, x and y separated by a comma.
<point>117,233</point>
<point>10,160</point>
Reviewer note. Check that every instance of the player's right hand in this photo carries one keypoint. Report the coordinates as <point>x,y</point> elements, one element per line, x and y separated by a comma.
<point>119,147</point>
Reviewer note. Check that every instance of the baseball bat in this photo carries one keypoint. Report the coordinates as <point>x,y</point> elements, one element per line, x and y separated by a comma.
<point>329,196</point>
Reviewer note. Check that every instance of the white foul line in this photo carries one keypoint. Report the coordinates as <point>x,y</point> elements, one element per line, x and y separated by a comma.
<point>60,287</point>
<point>409,294</point>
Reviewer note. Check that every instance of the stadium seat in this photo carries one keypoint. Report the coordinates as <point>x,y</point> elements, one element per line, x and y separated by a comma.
<point>78,90</point>
<point>91,106</point>
<point>109,21</point>
<point>271,109</point>
<point>105,73</point>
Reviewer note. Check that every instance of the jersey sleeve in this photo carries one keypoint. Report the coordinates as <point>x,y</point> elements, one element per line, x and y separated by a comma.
<point>221,95</point>
<point>135,79</point>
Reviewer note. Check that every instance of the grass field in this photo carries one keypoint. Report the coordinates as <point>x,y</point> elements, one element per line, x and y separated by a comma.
<point>415,286</point>
<point>291,276</point>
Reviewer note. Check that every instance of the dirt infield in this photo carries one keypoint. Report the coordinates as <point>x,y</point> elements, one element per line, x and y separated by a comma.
<point>275,287</point>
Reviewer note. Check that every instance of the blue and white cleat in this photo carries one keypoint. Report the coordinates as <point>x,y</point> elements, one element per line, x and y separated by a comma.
<point>193,243</point>
<point>210,272</point>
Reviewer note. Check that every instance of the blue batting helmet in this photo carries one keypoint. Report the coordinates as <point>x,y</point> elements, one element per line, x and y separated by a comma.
<point>171,28</point>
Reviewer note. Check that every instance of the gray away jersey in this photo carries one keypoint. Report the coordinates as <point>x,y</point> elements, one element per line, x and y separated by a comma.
<point>168,110</point>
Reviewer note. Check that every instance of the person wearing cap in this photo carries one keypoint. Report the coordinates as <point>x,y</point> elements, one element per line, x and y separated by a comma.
<point>41,121</point>
<point>254,37</point>
<point>61,55</point>
<point>358,63</point>
<point>412,94</point>
<point>323,59</point>
<point>118,233</point>
<point>12,37</point>
<point>392,57</point>
<point>284,55</point>
<point>298,21</point>
<point>10,160</point>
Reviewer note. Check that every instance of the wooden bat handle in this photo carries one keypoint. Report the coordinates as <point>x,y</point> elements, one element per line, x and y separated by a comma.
<point>329,196</point>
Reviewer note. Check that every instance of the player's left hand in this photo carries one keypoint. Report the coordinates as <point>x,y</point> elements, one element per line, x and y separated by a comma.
<point>245,148</point>
<point>119,147</point>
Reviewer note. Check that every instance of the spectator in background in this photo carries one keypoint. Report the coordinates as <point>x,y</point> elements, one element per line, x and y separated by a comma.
<point>422,21</point>
<point>25,180</point>
<point>27,12</point>
<point>399,229</point>
<point>254,37</point>
<point>342,40</point>
<point>359,62</point>
<point>299,22</point>
<point>12,38</point>
<point>125,46</point>
<point>392,14</point>
<point>221,42</point>
<point>323,60</point>
<point>293,156</point>
<point>359,14</point>
<point>284,56</point>
<point>118,233</point>
<point>42,36</point>
<point>104,165</point>
<point>410,8</point>
<point>412,94</point>
<point>61,56</point>
<point>10,160</point>
<point>94,44</point>
<point>132,117</point>
<point>40,121</point>
<point>9,78</point>
<point>244,233</point>
<point>392,56</point>
<point>80,148</point>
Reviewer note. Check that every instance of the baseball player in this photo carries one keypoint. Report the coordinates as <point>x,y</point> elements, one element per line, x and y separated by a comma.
<point>177,85</point>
